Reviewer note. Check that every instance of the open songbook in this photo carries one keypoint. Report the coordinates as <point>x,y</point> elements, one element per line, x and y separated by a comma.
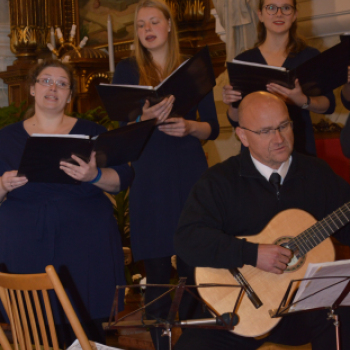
<point>322,285</point>
<point>43,152</point>
<point>189,83</point>
<point>325,285</point>
<point>317,76</point>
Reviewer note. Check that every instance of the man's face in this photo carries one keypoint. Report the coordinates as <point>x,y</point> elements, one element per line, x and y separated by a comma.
<point>261,114</point>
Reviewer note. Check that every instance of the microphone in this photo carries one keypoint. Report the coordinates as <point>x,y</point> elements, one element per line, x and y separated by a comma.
<point>228,319</point>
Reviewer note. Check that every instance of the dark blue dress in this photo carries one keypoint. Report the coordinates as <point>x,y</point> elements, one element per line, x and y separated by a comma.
<point>304,140</point>
<point>164,175</point>
<point>71,227</point>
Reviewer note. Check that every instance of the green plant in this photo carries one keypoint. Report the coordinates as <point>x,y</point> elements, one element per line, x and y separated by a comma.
<point>99,116</point>
<point>12,114</point>
<point>121,213</point>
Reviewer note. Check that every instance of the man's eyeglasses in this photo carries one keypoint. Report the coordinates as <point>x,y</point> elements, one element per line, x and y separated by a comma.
<point>285,9</point>
<point>61,84</point>
<point>267,133</point>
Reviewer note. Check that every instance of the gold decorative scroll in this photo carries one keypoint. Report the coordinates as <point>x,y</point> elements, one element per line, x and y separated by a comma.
<point>23,36</point>
<point>188,10</point>
<point>32,20</point>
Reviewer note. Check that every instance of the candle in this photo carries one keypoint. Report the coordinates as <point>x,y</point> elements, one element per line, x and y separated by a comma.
<point>83,42</point>
<point>110,44</point>
<point>73,31</point>
<point>52,35</point>
<point>59,33</point>
<point>53,41</point>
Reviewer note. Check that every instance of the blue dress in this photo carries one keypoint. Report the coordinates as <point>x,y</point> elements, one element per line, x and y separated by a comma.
<point>164,175</point>
<point>304,139</point>
<point>71,227</point>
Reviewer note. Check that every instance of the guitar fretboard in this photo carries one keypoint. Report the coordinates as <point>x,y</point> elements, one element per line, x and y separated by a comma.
<point>318,232</point>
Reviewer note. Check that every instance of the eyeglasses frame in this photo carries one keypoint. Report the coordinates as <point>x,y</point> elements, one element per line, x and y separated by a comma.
<point>38,80</point>
<point>279,8</point>
<point>287,122</point>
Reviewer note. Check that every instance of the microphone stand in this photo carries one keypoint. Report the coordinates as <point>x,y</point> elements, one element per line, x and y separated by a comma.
<point>225,321</point>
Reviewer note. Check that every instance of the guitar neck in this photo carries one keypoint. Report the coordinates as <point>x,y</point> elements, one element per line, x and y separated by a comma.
<point>318,232</point>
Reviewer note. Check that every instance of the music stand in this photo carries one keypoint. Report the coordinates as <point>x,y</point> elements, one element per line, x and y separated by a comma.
<point>319,292</point>
<point>226,321</point>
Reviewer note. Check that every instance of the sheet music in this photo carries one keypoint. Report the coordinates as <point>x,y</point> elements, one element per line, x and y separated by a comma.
<point>94,346</point>
<point>326,297</point>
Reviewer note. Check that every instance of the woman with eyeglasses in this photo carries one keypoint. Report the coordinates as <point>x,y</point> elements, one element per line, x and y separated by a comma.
<point>69,226</point>
<point>279,45</point>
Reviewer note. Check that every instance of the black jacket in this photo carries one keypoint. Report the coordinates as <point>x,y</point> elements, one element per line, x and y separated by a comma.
<point>233,199</point>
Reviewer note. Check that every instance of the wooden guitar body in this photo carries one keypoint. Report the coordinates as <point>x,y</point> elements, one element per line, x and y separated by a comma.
<point>269,287</point>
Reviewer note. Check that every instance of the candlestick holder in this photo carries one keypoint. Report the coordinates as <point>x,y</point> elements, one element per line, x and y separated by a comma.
<point>66,45</point>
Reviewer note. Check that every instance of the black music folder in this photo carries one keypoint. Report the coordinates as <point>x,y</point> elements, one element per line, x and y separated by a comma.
<point>43,152</point>
<point>189,83</point>
<point>317,76</point>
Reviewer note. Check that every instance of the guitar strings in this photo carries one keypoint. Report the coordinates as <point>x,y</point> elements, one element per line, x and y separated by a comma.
<point>321,230</point>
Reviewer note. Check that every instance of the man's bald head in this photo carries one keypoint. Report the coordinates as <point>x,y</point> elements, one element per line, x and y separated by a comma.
<point>255,102</point>
<point>265,128</point>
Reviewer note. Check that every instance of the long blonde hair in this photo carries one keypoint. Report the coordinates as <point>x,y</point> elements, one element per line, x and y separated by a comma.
<point>150,73</point>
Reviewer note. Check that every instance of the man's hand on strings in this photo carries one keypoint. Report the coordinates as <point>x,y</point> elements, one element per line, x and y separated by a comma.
<point>273,258</point>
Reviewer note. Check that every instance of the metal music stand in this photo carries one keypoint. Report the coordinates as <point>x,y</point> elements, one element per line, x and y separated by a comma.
<point>223,322</point>
<point>308,301</point>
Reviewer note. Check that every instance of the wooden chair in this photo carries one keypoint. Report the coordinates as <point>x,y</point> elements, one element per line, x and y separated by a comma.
<point>26,301</point>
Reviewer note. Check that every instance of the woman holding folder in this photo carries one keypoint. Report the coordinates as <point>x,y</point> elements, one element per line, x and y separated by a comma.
<point>69,226</point>
<point>279,45</point>
<point>172,160</point>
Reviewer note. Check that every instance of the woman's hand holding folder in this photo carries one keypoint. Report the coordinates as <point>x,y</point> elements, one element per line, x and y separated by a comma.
<point>230,96</point>
<point>10,181</point>
<point>83,172</point>
<point>160,111</point>
<point>292,96</point>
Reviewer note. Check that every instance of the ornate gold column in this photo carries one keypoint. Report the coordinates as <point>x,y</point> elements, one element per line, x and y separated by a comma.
<point>43,33</point>
<point>24,30</point>
<point>30,21</point>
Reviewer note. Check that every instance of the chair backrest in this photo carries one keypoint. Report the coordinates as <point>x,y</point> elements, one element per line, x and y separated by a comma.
<point>26,301</point>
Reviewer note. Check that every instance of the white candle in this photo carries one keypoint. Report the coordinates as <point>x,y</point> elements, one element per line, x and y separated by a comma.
<point>59,33</point>
<point>110,44</point>
<point>73,31</point>
<point>83,42</point>
<point>52,35</point>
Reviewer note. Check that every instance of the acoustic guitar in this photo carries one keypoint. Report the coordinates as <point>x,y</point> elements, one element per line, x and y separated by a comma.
<point>294,229</point>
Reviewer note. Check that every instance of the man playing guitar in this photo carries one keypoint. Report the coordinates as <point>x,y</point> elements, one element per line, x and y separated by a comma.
<point>239,197</point>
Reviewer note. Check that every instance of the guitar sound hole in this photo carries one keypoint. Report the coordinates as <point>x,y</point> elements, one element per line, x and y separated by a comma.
<point>297,261</point>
